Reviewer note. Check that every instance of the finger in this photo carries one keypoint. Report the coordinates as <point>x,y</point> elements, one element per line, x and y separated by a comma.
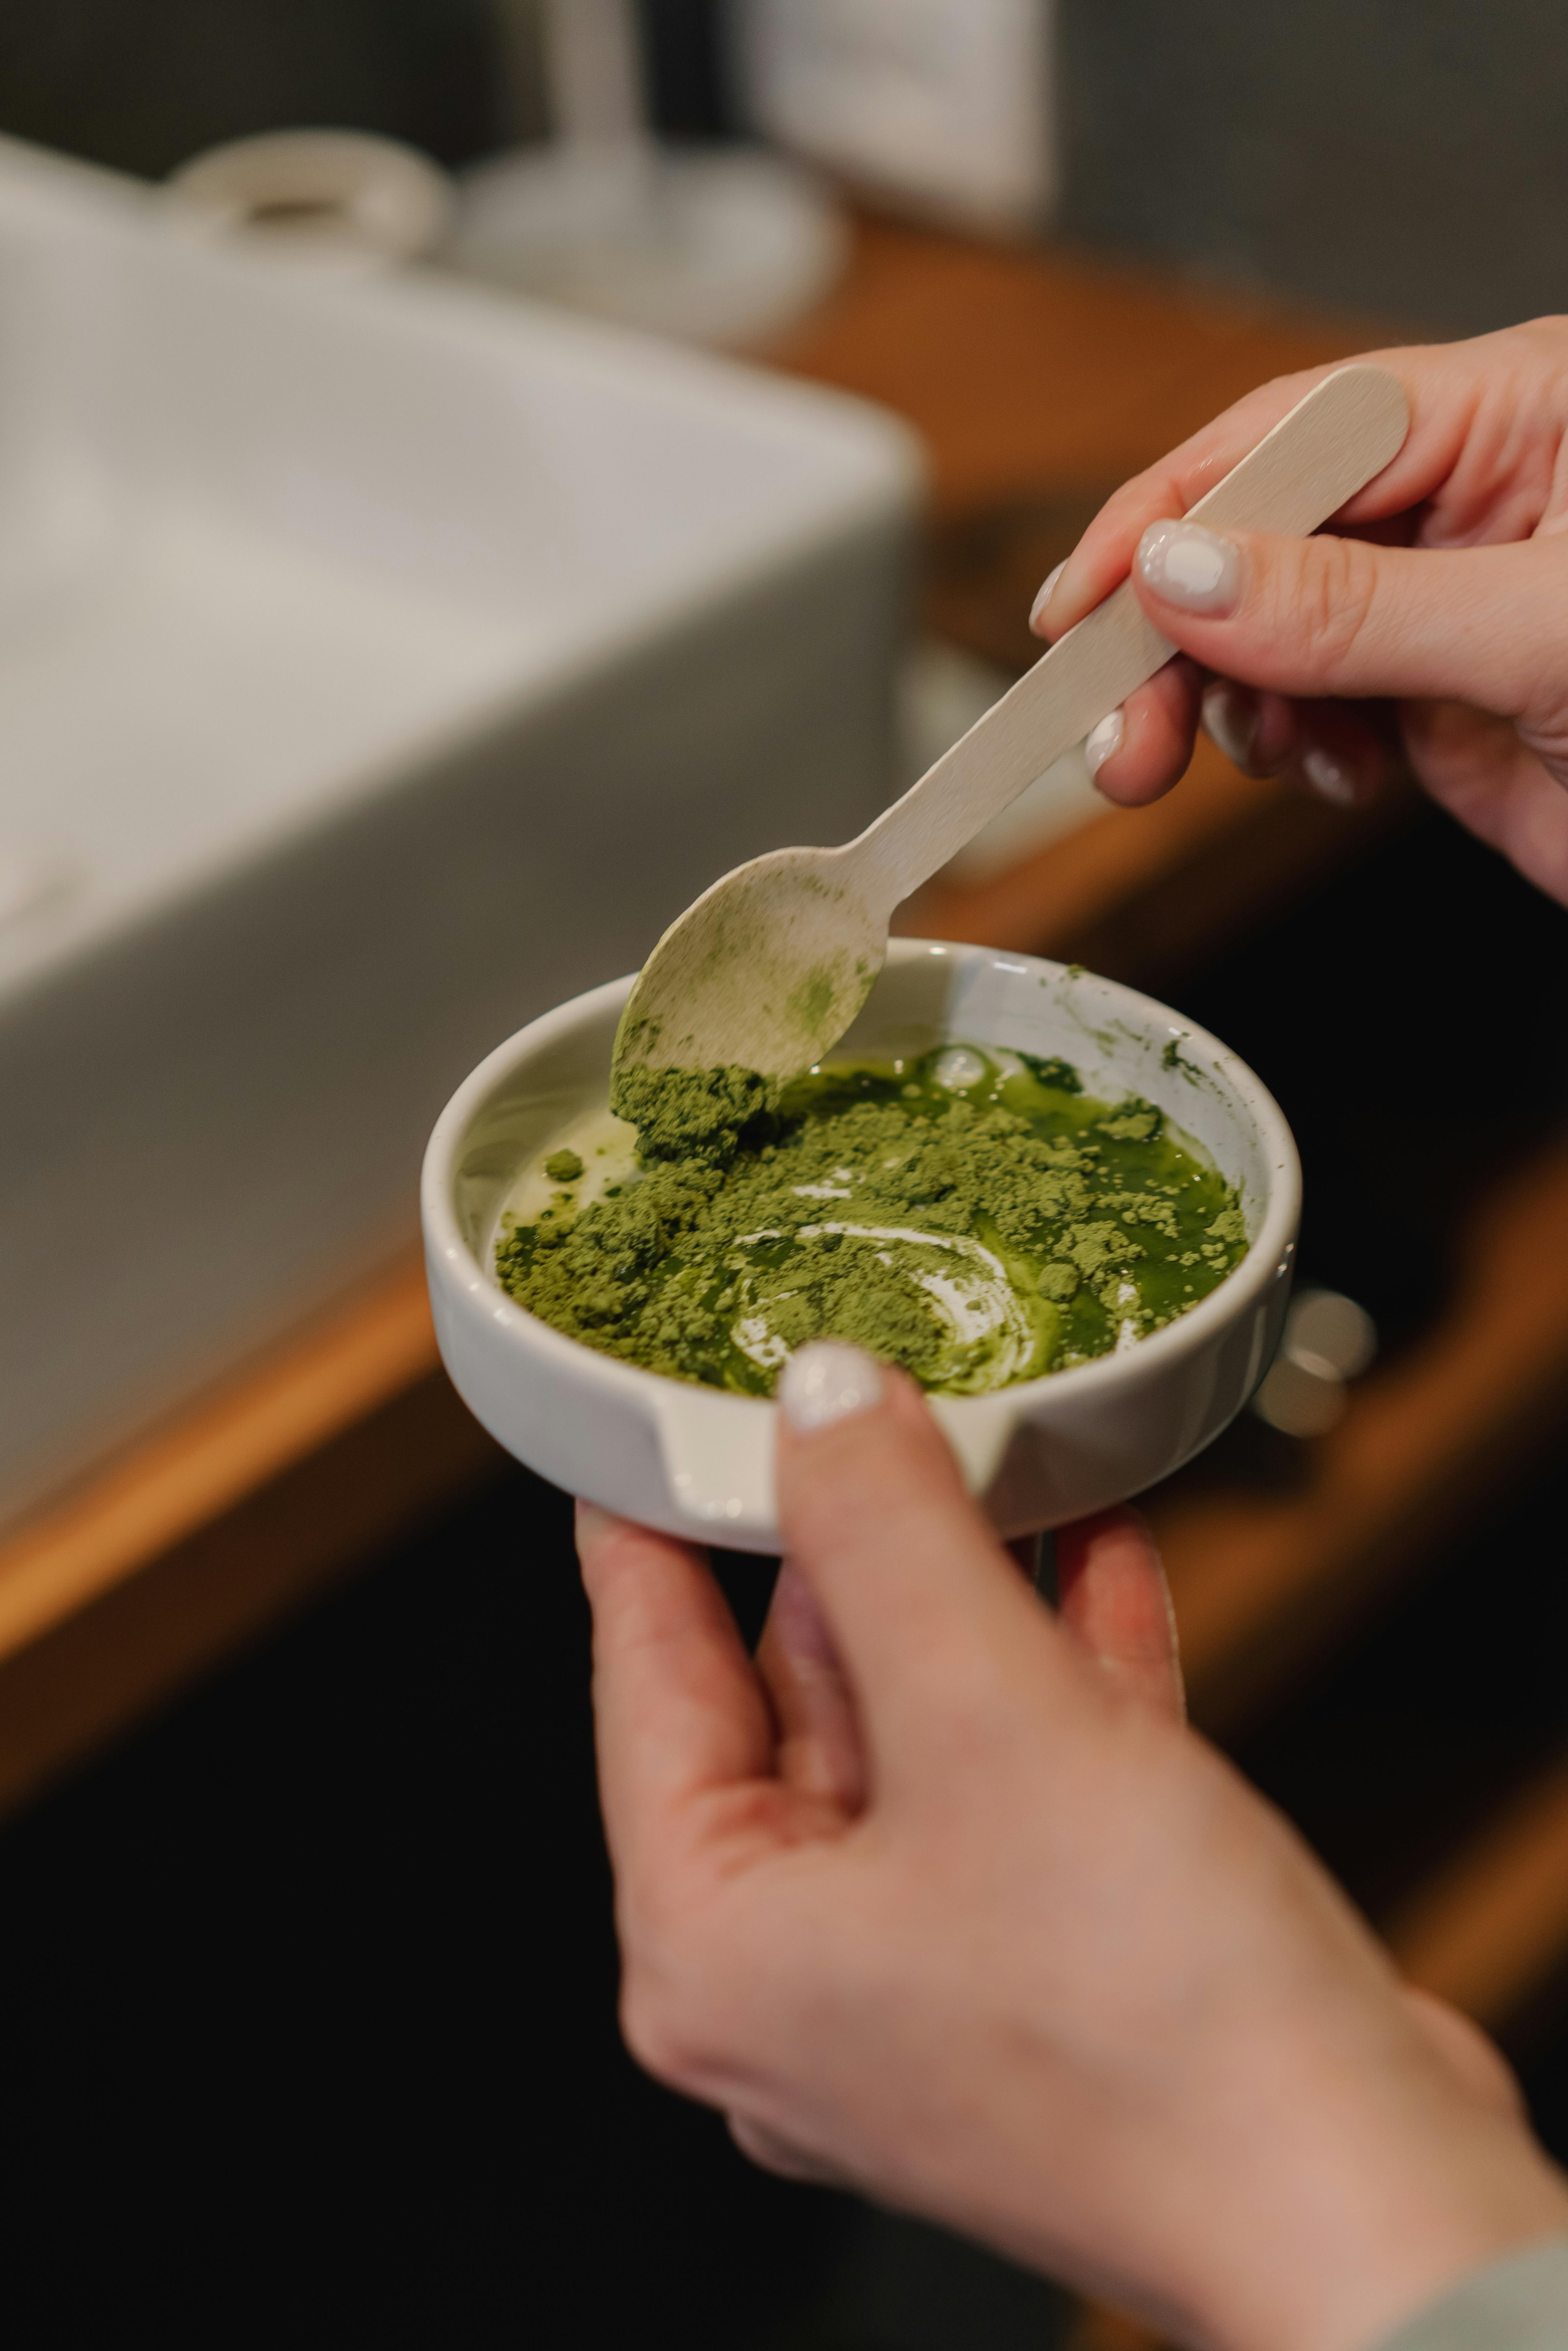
<point>1254,730</point>
<point>1103,555</point>
<point>1478,769</point>
<point>924,1609</point>
<point>1344,752</point>
<point>1327,616</point>
<point>1336,752</point>
<point>678,1709</point>
<point>1141,750</point>
<point>1115,1603</point>
<point>819,1743</point>
<point>1447,384</point>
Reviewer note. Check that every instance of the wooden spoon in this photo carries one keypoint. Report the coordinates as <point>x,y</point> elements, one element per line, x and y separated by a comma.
<point>767,969</point>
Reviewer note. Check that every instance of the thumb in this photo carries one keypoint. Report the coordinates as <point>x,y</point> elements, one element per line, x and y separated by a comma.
<point>1341,616</point>
<point>926,1610</point>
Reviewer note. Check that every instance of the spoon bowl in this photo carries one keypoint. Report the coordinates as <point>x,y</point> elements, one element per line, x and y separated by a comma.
<point>776,956</point>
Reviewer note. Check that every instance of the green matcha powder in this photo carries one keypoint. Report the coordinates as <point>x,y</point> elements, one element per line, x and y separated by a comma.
<point>973,1216</point>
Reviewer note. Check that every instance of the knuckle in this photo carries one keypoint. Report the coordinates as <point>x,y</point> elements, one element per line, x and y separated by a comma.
<point>757,2144</point>
<point>657,2032</point>
<point>1331,599</point>
<point>673,1973</point>
<point>1128,505</point>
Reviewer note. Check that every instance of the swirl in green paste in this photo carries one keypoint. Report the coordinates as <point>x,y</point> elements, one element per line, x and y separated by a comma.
<point>972,1217</point>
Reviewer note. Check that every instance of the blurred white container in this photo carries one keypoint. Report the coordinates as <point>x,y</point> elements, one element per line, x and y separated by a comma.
<point>380,663</point>
<point>323,199</point>
<point>947,106</point>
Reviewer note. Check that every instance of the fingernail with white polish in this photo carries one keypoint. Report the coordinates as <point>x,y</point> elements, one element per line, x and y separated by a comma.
<point>826,1381</point>
<point>1328,777</point>
<point>1102,742</point>
<point>1231,720</point>
<point>1190,567</point>
<point>1043,599</point>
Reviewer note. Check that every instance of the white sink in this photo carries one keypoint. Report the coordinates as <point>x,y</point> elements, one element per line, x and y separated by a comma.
<point>380,664</point>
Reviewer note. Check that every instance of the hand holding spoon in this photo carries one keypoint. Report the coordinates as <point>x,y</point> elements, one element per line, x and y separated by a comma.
<point>767,969</point>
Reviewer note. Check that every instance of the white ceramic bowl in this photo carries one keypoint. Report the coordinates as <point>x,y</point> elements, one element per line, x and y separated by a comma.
<point>698,1462</point>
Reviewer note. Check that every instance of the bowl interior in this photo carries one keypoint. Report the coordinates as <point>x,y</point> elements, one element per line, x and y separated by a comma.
<point>927,994</point>
<point>559,1066</point>
<point>1119,1041</point>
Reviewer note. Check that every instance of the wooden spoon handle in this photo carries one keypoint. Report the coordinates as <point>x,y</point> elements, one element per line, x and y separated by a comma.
<point>1330,446</point>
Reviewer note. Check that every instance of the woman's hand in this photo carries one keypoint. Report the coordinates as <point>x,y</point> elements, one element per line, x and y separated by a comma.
<point>1432,615</point>
<point>941,1900</point>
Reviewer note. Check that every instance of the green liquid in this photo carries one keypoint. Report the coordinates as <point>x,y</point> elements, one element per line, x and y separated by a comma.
<point>977,1234</point>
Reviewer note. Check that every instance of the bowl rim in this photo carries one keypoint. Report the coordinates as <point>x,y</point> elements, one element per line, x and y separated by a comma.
<point>1268,1257</point>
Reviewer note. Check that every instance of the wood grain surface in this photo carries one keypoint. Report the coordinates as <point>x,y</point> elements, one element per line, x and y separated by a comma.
<point>1024,370</point>
<point>208,1533</point>
<point>292,1401</point>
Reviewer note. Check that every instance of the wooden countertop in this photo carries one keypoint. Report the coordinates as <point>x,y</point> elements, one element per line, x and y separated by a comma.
<point>1027,369</point>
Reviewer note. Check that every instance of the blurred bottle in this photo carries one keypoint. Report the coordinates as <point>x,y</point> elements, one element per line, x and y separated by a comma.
<point>944,106</point>
<point>720,244</point>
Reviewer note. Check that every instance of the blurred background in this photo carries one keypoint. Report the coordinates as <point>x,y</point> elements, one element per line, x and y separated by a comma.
<point>433,548</point>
